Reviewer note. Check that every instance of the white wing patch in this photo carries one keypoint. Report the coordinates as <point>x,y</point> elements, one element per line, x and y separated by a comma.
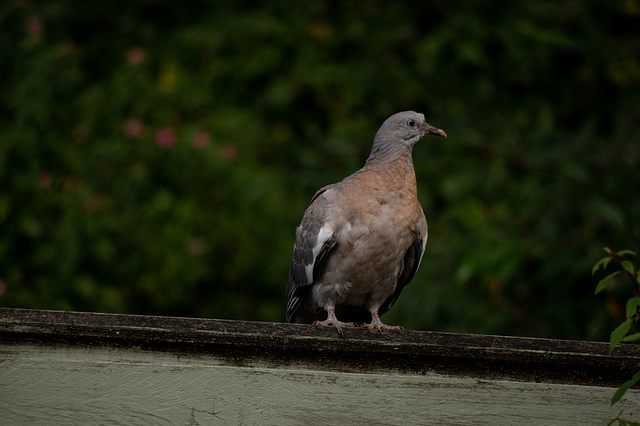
<point>324,234</point>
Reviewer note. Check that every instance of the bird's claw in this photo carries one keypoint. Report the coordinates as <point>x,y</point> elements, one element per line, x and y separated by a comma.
<point>337,324</point>
<point>381,326</point>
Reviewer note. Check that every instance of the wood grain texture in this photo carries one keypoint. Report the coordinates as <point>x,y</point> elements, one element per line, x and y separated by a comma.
<point>78,368</point>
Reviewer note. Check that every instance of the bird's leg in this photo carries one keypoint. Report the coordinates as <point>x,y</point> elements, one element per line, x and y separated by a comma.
<point>376,324</point>
<point>333,320</point>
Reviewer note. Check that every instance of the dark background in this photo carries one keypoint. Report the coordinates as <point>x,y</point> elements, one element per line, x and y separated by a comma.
<point>156,157</point>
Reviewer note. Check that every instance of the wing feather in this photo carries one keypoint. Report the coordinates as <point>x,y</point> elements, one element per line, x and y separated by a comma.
<point>411,263</point>
<point>314,243</point>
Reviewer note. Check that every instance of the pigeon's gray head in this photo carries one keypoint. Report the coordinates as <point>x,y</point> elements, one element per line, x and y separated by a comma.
<point>400,132</point>
<point>407,127</point>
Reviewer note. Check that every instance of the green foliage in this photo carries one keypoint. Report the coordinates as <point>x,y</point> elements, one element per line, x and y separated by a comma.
<point>625,387</point>
<point>156,158</point>
<point>632,313</point>
<point>622,422</point>
<point>605,281</point>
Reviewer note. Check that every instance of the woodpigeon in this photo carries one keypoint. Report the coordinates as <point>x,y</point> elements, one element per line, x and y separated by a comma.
<point>361,240</point>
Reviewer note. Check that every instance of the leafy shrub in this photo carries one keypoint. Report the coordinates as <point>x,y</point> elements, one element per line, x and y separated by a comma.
<point>157,158</point>
<point>632,314</point>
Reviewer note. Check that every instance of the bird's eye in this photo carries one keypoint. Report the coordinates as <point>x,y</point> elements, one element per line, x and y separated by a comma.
<point>411,123</point>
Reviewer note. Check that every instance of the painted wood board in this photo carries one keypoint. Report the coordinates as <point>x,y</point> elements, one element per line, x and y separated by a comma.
<point>105,386</point>
<point>89,368</point>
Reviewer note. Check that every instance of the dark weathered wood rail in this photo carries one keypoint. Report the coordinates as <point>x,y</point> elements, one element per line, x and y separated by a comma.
<point>315,366</point>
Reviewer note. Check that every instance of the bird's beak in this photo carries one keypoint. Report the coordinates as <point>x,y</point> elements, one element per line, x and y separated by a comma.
<point>430,130</point>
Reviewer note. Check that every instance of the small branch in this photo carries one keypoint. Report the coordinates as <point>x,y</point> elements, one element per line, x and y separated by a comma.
<point>635,282</point>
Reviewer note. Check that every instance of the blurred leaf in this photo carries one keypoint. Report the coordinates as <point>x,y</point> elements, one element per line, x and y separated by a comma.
<point>631,337</point>
<point>602,262</point>
<point>619,393</point>
<point>602,284</point>
<point>628,266</point>
<point>632,306</point>
<point>619,333</point>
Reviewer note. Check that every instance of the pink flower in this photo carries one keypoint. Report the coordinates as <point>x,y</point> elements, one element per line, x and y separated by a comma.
<point>201,139</point>
<point>229,152</point>
<point>45,179</point>
<point>166,137</point>
<point>133,128</point>
<point>197,246</point>
<point>33,27</point>
<point>81,133</point>
<point>135,55</point>
<point>94,205</point>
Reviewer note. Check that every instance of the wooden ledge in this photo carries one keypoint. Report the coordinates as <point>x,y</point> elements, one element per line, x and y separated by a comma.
<point>296,346</point>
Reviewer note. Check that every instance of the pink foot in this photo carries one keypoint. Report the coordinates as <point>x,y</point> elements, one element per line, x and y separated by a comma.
<point>376,324</point>
<point>332,320</point>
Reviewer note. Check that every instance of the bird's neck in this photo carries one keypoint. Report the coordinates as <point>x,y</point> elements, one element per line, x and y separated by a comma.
<point>396,171</point>
<point>385,153</point>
